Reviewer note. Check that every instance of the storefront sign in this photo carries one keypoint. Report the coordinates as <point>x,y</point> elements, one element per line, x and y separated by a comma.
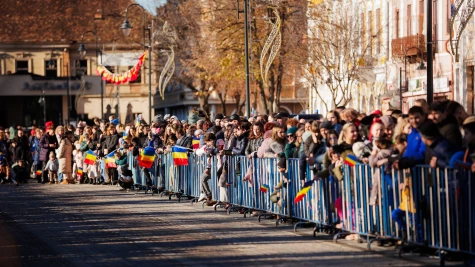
<point>58,85</point>
<point>24,85</point>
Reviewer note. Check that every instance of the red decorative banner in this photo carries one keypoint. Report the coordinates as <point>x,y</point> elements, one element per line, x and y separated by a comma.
<point>128,76</point>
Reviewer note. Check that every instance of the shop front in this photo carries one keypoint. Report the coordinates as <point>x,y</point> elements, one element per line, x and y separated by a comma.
<point>31,100</point>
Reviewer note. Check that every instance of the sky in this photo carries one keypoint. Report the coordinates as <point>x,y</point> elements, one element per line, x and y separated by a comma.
<point>151,5</point>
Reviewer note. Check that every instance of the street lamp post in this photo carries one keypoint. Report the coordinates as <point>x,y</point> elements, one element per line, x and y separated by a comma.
<point>127,28</point>
<point>421,67</point>
<point>82,51</point>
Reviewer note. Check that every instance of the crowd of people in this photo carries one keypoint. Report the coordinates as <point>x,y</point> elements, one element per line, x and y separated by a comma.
<point>431,135</point>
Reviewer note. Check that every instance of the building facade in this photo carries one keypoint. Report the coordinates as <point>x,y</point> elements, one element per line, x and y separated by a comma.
<point>40,62</point>
<point>396,74</point>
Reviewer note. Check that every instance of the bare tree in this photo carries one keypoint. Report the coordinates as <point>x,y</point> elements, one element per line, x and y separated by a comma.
<point>338,49</point>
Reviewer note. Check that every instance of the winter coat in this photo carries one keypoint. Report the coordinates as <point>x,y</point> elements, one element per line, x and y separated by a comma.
<point>443,149</point>
<point>264,147</point>
<point>449,129</point>
<point>310,147</point>
<point>377,176</point>
<point>79,159</point>
<point>241,144</point>
<point>415,151</point>
<point>291,151</point>
<point>65,156</point>
<point>5,148</point>
<point>35,149</point>
<point>185,141</point>
<point>85,147</point>
<point>325,172</point>
<point>52,165</point>
<point>45,141</point>
<point>111,143</point>
<point>17,153</point>
<point>274,149</point>
<point>338,172</point>
<point>254,145</point>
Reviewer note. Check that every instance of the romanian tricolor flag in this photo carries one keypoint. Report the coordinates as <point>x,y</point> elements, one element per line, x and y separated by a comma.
<point>264,188</point>
<point>39,172</point>
<point>195,143</point>
<point>180,158</point>
<point>147,157</point>
<point>90,157</point>
<point>79,173</point>
<point>110,160</point>
<point>351,160</point>
<point>306,187</point>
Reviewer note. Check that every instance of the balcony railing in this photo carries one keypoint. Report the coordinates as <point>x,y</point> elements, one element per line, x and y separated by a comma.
<point>400,45</point>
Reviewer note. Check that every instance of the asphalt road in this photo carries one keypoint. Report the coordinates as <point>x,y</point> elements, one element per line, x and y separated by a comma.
<point>89,225</point>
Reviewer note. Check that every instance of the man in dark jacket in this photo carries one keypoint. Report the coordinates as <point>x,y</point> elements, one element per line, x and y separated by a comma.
<point>447,123</point>
<point>441,149</point>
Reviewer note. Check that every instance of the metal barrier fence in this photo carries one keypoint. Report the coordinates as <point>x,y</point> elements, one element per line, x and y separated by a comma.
<point>424,206</point>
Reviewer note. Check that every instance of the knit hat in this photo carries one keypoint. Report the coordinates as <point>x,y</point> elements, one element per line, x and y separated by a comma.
<point>429,129</point>
<point>376,112</point>
<point>388,121</point>
<point>115,121</point>
<point>292,130</point>
<point>49,125</point>
<point>157,118</point>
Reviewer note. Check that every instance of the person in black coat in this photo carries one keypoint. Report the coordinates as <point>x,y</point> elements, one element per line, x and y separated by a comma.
<point>110,144</point>
<point>242,139</point>
<point>48,143</point>
<point>439,150</point>
<point>183,139</point>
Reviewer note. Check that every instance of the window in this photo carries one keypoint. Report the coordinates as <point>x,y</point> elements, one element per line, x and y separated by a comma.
<point>51,68</point>
<point>139,78</point>
<point>21,66</point>
<point>396,29</point>
<point>81,67</point>
<point>409,22</point>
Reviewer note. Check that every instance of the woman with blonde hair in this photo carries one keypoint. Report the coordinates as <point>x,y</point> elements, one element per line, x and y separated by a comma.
<point>277,144</point>
<point>402,126</point>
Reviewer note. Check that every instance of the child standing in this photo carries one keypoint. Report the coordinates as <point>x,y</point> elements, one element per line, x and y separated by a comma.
<point>52,167</point>
<point>94,172</point>
<point>78,162</point>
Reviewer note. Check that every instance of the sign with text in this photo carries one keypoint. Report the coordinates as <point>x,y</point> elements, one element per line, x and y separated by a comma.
<point>19,85</point>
